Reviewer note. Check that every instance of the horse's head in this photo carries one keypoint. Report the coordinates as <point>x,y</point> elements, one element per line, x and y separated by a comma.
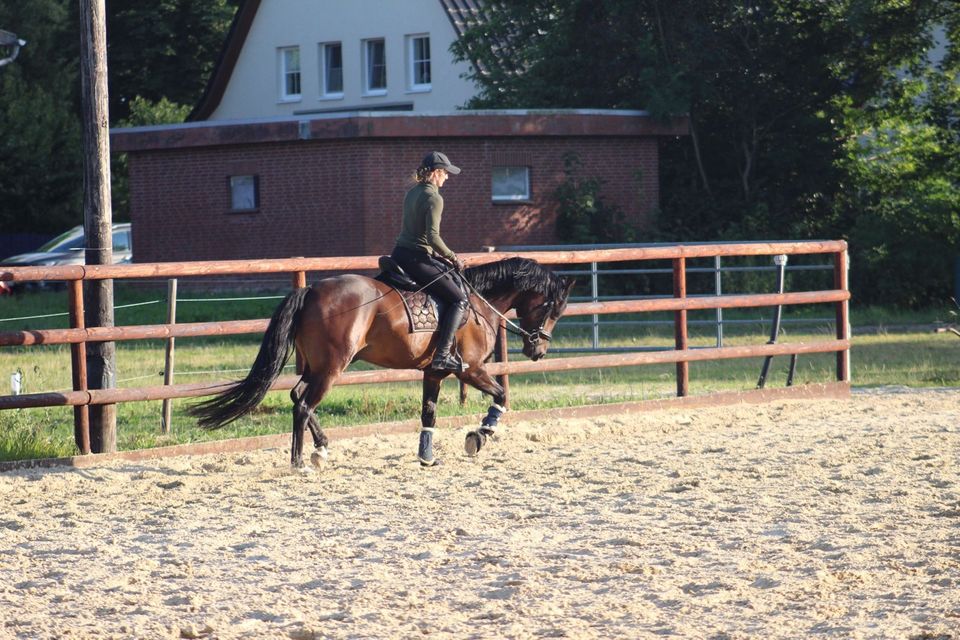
<point>538,295</point>
<point>538,314</point>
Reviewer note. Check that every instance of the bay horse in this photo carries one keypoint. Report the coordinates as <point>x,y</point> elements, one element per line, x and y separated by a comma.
<point>352,317</point>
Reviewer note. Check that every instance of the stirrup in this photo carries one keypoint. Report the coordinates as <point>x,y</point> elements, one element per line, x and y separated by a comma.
<point>447,362</point>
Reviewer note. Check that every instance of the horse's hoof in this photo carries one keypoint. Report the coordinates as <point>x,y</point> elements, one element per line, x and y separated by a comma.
<point>473,443</point>
<point>303,470</point>
<point>433,462</point>
<point>319,457</point>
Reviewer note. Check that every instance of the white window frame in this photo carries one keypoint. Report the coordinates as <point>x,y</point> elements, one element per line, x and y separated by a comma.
<point>412,85</point>
<point>512,197</point>
<point>286,71</point>
<point>325,93</point>
<point>238,182</point>
<point>369,90</point>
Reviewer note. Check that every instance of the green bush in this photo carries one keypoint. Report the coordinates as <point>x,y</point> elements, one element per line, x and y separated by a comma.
<point>584,216</point>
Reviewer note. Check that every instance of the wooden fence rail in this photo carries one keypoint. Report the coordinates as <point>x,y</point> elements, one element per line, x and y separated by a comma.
<point>79,335</point>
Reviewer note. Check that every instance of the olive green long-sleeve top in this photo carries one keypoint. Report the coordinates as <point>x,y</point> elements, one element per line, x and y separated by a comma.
<point>422,210</point>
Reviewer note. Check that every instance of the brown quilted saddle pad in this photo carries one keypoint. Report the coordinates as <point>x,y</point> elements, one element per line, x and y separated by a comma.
<point>421,311</point>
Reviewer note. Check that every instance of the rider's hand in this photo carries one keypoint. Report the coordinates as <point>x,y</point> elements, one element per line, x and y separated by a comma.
<point>458,264</point>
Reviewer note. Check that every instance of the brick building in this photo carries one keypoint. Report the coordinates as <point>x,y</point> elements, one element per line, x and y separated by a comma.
<point>332,184</point>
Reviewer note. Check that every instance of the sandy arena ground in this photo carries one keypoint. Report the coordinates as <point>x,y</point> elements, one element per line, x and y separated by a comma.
<point>830,519</point>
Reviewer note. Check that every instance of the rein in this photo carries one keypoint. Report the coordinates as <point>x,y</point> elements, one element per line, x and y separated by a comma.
<point>536,336</point>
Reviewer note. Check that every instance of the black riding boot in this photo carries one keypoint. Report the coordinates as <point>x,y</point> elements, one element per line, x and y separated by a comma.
<point>444,359</point>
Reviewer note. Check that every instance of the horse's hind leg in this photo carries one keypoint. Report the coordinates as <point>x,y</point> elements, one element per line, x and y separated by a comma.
<point>300,421</point>
<point>320,440</point>
<point>306,395</point>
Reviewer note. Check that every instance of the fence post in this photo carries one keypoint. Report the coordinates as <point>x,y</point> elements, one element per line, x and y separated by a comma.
<point>500,355</point>
<point>97,214</point>
<point>680,324</point>
<point>841,281</point>
<point>718,287</point>
<point>165,420</point>
<point>595,288</point>
<point>780,261</point>
<point>299,282</point>
<point>78,356</point>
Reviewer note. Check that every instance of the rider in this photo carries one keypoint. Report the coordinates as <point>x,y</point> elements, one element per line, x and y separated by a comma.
<point>419,250</point>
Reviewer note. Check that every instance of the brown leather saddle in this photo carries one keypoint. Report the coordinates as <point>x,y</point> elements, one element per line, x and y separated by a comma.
<point>423,310</point>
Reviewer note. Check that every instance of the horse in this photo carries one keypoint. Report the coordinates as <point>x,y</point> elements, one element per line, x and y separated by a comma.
<point>352,317</point>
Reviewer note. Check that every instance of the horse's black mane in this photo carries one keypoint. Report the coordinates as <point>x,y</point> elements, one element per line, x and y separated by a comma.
<point>518,274</point>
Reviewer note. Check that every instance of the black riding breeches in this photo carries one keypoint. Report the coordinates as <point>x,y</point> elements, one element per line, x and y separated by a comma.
<point>425,269</point>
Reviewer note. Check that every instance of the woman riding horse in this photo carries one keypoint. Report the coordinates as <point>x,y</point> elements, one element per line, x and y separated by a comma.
<point>418,246</point>
<point>351,317</point>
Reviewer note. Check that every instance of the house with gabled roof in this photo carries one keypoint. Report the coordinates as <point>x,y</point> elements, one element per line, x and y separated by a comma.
<point>317,114</point>
<point>304,57</point>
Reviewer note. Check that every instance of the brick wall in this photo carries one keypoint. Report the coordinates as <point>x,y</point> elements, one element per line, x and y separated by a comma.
<point>341,194</point>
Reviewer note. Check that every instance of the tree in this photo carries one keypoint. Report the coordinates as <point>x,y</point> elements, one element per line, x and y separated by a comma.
<point>903,205</point>
<point>767,85</point>
<point>163,50</point>
<point>40,164</point>
<point>584,216</point>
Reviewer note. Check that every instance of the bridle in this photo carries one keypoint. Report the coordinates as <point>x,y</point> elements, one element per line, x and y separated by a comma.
<point>540,334</point>
<point>535,337</point>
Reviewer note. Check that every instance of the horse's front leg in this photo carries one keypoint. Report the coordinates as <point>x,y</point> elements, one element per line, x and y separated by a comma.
<point>428,419</point>
<point>480,379</point>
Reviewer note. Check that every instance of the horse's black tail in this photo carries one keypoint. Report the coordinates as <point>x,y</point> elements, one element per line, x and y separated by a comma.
<point>274,352</point>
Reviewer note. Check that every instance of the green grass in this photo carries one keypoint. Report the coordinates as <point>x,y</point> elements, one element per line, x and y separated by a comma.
<point>911,358</point>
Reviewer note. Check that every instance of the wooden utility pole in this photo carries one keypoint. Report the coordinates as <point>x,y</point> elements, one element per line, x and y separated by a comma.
<point>97,214</point>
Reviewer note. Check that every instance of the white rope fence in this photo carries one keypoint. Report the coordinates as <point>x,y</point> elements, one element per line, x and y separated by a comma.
<point>65,313</point>
<point>144,304</point>
<point>209,372</point>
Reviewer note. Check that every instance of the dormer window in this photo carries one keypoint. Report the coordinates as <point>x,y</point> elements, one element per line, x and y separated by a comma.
<point>289,73</point>
<point>418,63</point>
<point>374,67</point>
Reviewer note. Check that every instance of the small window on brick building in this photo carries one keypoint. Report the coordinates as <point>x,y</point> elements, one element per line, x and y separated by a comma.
<point>511,183</point>
<point>244,193</point>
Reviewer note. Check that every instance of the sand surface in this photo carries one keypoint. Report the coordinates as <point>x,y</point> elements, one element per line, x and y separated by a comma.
<point>822,519</point>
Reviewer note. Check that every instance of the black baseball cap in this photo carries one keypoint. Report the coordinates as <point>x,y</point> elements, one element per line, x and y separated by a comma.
<point>437,160</point>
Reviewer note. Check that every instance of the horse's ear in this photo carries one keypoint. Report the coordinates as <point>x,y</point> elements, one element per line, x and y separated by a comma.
<point>568,286</point>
